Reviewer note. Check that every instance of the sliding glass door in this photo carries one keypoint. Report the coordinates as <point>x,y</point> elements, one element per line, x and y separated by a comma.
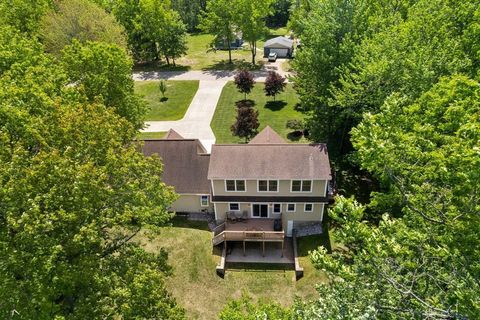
<point>259,210</point>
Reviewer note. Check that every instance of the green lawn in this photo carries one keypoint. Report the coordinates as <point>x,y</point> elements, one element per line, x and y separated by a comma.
<point>199,57</point>
<point>203,294</point>
<point>177,99</point>
<point>272,113</point>
<point>151,135</point>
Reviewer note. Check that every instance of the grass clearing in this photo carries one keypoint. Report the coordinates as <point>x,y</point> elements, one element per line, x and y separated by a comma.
<point>203,294</point>
<point>272,113</point>
<point>199,57</point>
<point>151,135</point>
<point>177,99</point>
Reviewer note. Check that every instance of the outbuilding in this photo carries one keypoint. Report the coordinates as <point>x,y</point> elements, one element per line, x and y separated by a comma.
<point>282,46</point>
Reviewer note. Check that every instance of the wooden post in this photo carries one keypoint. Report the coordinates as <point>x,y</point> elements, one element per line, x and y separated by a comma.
<point>263,247</point>
<point>283,241</point>
<point>244,248</point>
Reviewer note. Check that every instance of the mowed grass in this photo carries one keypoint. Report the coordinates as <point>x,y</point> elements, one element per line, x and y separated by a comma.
<point>177,99</point>
<point>200,57</point>
<point>272,113</point>
<point>203,294</point>
<point>151,135</point>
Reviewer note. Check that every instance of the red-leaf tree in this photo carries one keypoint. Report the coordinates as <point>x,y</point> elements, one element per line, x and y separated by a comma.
<point>274,84</point>
<point>246,124</point>
<point>244,82</point>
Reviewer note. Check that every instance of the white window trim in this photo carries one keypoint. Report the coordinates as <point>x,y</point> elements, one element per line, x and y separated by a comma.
<point>301,186</point>
<point>208,200</point>
<point>268,185</point>
<point>259,217</point>
<point>305,207</point>
<point>229,206</point>
<point>294,207</point>
<point>273,208</point>
<point>244,181</point>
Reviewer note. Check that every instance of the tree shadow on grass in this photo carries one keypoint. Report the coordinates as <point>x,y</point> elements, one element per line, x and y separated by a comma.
<point>163,99</point>
<point>245,103</point>
<point>294,135</point>
<point>275,105</point>
<point>236,64</point>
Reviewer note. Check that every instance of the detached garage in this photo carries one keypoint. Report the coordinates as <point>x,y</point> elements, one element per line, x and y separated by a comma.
<point>282,46</point>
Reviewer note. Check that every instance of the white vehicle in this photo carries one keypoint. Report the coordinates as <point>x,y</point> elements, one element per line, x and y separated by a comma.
<point>272,57</point>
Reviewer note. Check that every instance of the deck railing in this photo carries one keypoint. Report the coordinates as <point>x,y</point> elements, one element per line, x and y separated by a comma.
<point>247,235</point>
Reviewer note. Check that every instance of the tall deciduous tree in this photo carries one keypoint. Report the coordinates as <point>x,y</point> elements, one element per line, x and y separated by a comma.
<point>153,29</point>
<point>246,123</point>
<point>218,19</point>
<point>82,20</point>
<point>74,193</point>
<point>171,41</point>
<point>103,72</point>
<point>250,18</point>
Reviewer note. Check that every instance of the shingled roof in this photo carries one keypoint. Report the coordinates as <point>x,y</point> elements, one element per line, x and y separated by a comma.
<point>267,135</point>
<point>277,42</point>
<point>172,135</point>
<point>185,163</point>
<point>269,160</point>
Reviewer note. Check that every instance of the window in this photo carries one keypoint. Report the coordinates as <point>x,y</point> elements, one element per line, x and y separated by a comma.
<point>204,201</point>
<point>306,185</point>
<point>301,185</point>
<point>291,207</point>
<point>308,207</point>
<point>234,207</point>
<point>230,185</point>
<point>267,185</point>
<point>296,185</point>
<point>277,208</point>
<point>235,185</point>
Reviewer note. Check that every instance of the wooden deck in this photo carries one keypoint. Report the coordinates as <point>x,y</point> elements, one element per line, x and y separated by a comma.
<point>252,230</point>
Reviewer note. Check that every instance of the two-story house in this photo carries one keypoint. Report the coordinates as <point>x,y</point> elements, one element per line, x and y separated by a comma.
<point>270,179</point>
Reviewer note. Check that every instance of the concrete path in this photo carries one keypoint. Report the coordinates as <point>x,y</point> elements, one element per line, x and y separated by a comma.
<point>209,75</point>
<point>196,122</point>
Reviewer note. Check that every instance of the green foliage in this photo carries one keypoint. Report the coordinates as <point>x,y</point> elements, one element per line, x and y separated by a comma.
<point>162,87</point>
<point>23,15</point>
<point>356,53</point>
<point>420,264</point>
<point>294,124</point>
<point>103,72</point>
<point>244,309</point>
<point>189,11</point>
<point>218,19</point>
<point>81,20</point>
<point>250,19</point>
<point>153,29</point>
<point>75,190</point>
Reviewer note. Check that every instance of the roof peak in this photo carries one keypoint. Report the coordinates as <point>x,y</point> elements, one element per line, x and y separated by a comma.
<point>267,136</point>
<point>172,135</point>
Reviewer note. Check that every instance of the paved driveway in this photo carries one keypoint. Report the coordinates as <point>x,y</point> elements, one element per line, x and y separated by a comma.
<point>196,122</point>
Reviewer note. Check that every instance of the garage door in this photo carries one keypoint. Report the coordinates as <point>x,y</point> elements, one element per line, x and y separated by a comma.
<point>280,52</point>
